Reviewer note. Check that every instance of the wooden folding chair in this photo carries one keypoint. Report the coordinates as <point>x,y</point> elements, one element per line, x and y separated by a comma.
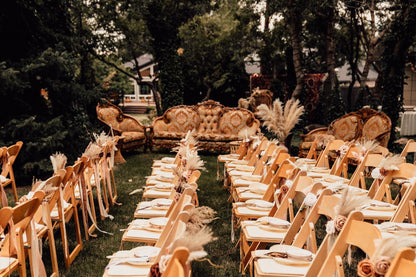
<point>7,262</point>
<point>107,175</point>
<point>165,190</point>
<point>356,233</point>
<point>261,174</point>
<point>83,195</point>
<point>249,160</point>
<point>405,172</point>
<point>300,231</point>
<point>137,231</point>
<point>177,266</point>
<point>324,158</point>
<point>358,178</point>
<point>176,230</point>
<point>409,149</point>
<point>44,230</point>
<point>266,267</point>
<point>403,264</point>
<point>266,191</point>
<point>242,212</point>
<point>7,174</point>
<point>22,216</point>
<point>66,209</point>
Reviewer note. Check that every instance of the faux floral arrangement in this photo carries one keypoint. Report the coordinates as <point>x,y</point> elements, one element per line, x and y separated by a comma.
<point>348,203</point>
<point>386,165</point>
<point>386,249</point>
<point>363,147</point>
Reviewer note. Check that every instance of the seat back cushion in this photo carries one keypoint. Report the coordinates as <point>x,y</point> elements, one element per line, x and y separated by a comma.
<point>130,125</point>
<point>209,117</point>
<point>346,127</point>
<point>376,126</point>
<point>238,122</point>
<point>109,115</point>
<point>176,120</point>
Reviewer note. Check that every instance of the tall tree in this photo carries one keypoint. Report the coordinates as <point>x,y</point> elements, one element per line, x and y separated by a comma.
<point>163,19</point>
<point>44,101</point>
<point>400,36</point>
<point>214,48</point>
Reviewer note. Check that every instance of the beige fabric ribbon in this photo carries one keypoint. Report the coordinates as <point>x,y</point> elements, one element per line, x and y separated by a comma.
<point>38,266</point>
<point>103,212</point>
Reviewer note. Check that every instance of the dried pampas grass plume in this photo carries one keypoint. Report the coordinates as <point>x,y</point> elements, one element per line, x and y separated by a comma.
<point>195,242</point>
<point>350,201</point>
<point>102,138</point>
<point>281,120</point>
<point>322,140</point>
<point>389,246</point>
<point>365,146</point>
<point>199,217</point>
<point>58,161</point>
<point>92,151</point>
<point>391,162</point>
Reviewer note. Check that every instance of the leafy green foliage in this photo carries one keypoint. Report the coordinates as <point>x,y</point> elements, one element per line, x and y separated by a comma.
<point>214,47</point>
<point>47,88</point>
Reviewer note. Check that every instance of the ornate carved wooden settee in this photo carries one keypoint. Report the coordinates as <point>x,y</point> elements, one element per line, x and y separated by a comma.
<point>132,133</point>
<point>215,125</point>
<point>365,123</point>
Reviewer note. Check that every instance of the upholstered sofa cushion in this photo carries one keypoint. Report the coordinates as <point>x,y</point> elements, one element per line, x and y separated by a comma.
<point>215,125</point>
<point>130,136</point>
<point>176,120</point>
<point>346,127</point>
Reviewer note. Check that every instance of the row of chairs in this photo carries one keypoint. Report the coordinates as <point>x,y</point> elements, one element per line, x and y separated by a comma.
<point>69,190</point>
<point>161,218</point>
<point>264,183</point>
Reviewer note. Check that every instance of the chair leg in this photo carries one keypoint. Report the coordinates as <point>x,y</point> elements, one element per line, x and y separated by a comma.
<point>52,250</point>
<point>70,256</point>
<point>115,195</point>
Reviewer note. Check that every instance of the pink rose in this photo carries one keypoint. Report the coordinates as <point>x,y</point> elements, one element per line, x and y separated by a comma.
<point>365,268</point>
<point>381,265</point>
<point>339,221</point>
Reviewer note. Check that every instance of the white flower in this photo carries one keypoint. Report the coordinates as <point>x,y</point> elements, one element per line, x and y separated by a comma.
<point>330,227</point>
<point>376,173</point>
<point>310,199</point>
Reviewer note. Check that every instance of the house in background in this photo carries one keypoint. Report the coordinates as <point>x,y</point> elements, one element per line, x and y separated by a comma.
<point>148,70</point>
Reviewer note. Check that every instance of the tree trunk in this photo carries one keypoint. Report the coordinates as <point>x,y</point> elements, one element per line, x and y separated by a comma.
<point>330,49</point>
<point>209,89</point>
<point>295,28</point>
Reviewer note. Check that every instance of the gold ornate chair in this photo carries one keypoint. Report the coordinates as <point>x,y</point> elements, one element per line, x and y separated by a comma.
<point>365,124</point>
<point>132,133</point>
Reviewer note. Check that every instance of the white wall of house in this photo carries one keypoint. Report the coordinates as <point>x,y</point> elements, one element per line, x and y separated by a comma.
<point>143,93</point>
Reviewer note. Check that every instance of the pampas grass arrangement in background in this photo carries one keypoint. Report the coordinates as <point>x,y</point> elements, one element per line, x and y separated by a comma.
<point>281,120</point>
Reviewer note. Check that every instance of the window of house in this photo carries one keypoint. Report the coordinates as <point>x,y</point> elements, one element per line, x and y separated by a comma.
<point>144,90</point>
